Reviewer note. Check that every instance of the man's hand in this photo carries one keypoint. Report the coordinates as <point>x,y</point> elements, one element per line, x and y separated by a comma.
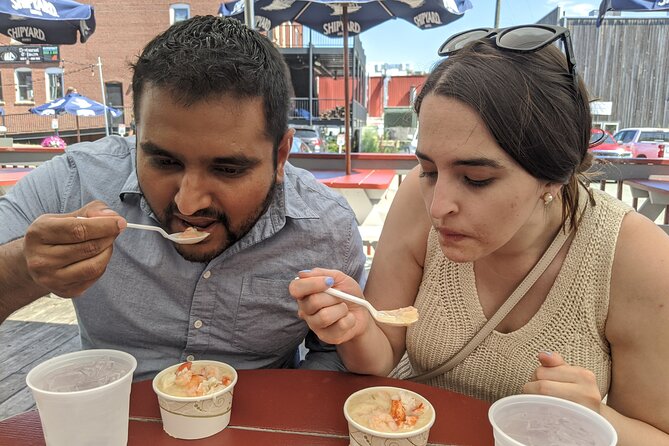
<point>65,254</point>
<point>557,378</point>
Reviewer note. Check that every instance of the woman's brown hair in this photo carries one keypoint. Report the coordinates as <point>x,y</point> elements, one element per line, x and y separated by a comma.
<point>529,104</point>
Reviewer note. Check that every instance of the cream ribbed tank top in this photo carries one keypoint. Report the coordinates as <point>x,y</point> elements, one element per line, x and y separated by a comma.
<point>571,320</point>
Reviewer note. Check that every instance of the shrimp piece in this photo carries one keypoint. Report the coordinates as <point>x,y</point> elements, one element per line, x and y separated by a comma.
<point>194,386</point>
<point>183,374</point>
<point>411,420</point>
<point>210,371</point>
<point>382,422</point>
<point>419,409</point>
<point>397,412</point>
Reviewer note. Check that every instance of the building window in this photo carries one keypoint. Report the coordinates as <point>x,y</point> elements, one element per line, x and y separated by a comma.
<point>2,98</point>
<point>179,12</point>
<point>54,83</point>
<point>23,79</point>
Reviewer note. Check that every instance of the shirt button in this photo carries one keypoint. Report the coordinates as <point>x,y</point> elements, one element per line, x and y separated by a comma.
<point>190,358</point>
<point>197,324</point>
<point>207,274</point>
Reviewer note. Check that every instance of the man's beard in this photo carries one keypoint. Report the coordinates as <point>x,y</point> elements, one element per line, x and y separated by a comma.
<point>222,218</point>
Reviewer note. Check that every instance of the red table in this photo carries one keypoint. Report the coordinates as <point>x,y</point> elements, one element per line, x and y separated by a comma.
<point>363,188</point>
<point>285,407</point>
<point>9,177</point>
<point>28,155</point>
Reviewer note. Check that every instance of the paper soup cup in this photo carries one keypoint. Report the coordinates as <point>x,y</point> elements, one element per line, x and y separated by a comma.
<point>521,420</point>
<point>360,432</point>
<point>192,417</point>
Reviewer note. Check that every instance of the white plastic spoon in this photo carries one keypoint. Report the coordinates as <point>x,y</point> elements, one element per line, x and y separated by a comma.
<point>183,238</point>
<point>401,316</point>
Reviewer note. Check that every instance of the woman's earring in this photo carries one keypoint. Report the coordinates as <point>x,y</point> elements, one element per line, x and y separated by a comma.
<point>547,197</point>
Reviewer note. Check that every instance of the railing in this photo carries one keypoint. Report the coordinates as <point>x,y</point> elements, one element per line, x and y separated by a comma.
<point>320,108</point>
<point>29,125</point>
<point>23,126</point>
<point>325,109</point>
<point>297,36</point>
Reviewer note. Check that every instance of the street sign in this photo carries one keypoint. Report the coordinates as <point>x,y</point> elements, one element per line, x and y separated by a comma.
<point>29,54</point>
<point>341,141</point>
<point>602,108</point>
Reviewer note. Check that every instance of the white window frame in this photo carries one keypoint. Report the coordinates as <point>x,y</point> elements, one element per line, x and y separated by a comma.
<point>174,8</point>
<point>47,82</point>
<point>30,99</point>
<point>610,126</point>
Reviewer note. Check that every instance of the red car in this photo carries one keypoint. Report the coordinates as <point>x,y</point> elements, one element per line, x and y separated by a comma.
<point>645,142</point>
<point>606,146</point>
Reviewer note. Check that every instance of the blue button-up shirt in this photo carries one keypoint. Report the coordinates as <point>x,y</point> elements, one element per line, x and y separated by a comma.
<point>163,309</point>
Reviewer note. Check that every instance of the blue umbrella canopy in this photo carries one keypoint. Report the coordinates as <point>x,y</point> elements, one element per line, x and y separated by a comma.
<point>74,104</point>
<point>54,22</point>
<point>631,5</point>
<point>325,16</point>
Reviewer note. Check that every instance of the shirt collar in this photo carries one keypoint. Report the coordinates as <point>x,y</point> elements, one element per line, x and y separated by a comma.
<point>294,204</point>
<point>131,185</point>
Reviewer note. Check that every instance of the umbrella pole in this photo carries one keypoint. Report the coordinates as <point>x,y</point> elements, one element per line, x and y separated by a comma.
<point>76,119</point>
<point>347,104</point>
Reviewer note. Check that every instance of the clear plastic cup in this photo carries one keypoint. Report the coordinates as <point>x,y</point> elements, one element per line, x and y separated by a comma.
<point>83,398</point>
<point>529,420</point>
<point>193,417</point>
<point>366,424</point>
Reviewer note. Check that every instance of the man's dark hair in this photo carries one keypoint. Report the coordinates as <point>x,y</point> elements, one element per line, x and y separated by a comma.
<point>207,57</point>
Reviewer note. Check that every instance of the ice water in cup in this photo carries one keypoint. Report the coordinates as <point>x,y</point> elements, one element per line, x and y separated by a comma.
<point>548,426</point>
<point>75,376</point>
<point>83,398</point>
<point>537,420</point>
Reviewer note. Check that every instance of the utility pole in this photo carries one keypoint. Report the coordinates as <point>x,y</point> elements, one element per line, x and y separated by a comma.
<point>104,99</point>
<point>249,14</point>
<point>497,7</point>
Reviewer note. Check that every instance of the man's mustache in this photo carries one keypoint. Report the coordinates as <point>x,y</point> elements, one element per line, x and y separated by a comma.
<point>172,210</point>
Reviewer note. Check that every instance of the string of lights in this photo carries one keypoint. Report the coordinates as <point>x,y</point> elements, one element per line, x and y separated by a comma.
<point>68,72</point>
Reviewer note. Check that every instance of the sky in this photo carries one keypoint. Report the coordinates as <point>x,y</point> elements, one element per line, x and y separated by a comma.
<point>398,41</point>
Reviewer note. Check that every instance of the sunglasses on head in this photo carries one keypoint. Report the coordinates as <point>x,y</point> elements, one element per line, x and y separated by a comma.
<point>518,39</point>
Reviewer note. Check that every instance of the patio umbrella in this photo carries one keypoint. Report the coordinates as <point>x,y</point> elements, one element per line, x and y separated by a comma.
<point>631,5</point>
<point>53,22</point>
<point>74,104</point>
<point>344,18</point>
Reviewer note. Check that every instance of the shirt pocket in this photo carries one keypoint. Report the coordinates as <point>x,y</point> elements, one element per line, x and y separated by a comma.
<point>267,321</point>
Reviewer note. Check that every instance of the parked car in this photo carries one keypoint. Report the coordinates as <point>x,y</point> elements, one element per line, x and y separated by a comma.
<point>644,142</point>
<point>606,146</point>
<point>299,146</point>
<point>310,135</point>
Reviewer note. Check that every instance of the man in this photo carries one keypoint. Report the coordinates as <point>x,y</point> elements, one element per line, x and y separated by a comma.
<point>210,102</point>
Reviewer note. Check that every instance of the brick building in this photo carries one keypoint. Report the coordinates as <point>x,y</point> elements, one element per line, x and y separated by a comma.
<point>123,27</point>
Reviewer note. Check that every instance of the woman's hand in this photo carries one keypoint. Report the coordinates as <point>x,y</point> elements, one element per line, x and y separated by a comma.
<point>333,320</point>
<point>557,378</point>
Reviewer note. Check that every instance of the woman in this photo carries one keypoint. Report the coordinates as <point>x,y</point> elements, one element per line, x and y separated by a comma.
<point>504,133</point>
